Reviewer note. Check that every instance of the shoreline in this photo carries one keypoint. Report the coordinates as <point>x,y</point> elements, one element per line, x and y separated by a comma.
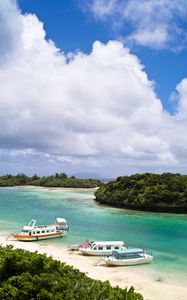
<point>49,189</point>
<point>180,210</point>
<point>151,288</point>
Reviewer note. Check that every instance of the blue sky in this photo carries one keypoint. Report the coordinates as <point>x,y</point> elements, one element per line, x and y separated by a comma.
<point>72,28</point>
<point>97,86</point>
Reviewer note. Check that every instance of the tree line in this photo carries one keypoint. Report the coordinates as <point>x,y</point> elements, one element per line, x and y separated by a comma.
<point>56,180</point>
<point>30,276</point>
<point>165,192</point>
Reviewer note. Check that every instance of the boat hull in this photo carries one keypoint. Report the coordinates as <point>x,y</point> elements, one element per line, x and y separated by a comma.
<point>129,262</point>
<point>95,252</point>
<point>31,238</point>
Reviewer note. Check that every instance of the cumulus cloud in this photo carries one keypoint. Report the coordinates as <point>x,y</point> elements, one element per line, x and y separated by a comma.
<point>150,23</point>
<point>182,97</point>
<point>95,111</point>
<point>10,25</point>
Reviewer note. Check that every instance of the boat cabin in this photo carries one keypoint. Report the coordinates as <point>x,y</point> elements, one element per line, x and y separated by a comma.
<point>38,230</point>
<point>129,253</point>
<point>61,224</point>
<point>107,245</point>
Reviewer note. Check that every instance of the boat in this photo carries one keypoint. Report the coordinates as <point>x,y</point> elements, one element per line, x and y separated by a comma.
<point>31,232</point>
<point>77,246</point>
<point>102,248</point>
<point>128,257</point>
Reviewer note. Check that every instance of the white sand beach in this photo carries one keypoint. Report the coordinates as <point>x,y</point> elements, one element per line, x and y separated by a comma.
<point>52,189</point>
<point>150,288</point>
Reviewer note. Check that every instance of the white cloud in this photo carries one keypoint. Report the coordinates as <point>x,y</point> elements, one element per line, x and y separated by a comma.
<point>102,8</point>
<point>151,23</point>
<point>95,112</point>
<point>10,29</point>
<point>182,95</point>
<point>156,38</point>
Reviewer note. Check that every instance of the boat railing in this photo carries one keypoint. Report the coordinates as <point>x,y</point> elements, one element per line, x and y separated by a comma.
<point>32,223</point>
<point>44,226</point>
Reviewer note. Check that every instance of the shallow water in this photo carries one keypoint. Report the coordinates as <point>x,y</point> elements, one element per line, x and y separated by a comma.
<point>165,235</point>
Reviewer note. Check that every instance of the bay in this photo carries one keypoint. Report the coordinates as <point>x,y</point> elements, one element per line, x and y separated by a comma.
<point>165,235</point>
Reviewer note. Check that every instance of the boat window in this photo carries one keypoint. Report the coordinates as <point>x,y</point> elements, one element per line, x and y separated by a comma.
<point>33,232</point>
<point>48,231</point>
<point>116,247</point>
<point>26,231</point>
<point>100,248</point>
<point>94,248</point>
<point>38,232</point>
<point>108,247</point>
<point>52,230</point>
<point>43,231</point>
<point>29,232</point>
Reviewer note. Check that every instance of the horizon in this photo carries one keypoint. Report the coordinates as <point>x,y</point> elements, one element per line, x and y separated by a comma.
<point>87,175</point>
<point>98,88</point>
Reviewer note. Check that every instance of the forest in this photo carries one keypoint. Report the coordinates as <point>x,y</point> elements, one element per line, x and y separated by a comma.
<point>30,276</point>
<point>165,192</point>
<point>57,180</point>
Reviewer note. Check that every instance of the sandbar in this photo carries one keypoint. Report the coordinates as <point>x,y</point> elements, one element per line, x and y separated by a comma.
<point>52,189</point>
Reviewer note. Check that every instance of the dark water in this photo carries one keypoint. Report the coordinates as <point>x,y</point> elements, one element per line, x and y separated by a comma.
<point>165,235</point>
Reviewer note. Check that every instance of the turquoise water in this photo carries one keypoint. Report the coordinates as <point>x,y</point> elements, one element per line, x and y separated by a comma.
<point>163,234</point>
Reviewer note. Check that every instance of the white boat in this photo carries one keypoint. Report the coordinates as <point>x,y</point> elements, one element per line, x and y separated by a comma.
<point>128,257</point>
<point>31,232</point>
<point>102,248</point>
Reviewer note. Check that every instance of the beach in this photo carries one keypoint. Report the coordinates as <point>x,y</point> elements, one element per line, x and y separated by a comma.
<point>151,288</point>
<point>51,189</point>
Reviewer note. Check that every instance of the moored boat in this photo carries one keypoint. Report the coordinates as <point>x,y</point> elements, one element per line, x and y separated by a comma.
<point>102,248</point>
<point>128,257</point>
<point>83,245</point>
<point>31,232</point>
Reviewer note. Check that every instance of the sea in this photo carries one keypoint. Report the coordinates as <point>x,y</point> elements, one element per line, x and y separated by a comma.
<point>161,234</point>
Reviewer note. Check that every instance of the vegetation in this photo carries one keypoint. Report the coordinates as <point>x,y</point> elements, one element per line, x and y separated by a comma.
<point>152,192</point>
<point>30,276</point>
<point>57,180</point>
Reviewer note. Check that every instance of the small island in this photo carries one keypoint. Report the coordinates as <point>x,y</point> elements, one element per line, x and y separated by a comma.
<point>60,180</point>
<point>165,192</point>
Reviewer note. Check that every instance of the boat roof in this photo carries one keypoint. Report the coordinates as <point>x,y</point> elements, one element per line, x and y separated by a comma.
<point>106,243</point>
<point>128,251</point>
<point>39,227</point>
<point>61,220</point>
